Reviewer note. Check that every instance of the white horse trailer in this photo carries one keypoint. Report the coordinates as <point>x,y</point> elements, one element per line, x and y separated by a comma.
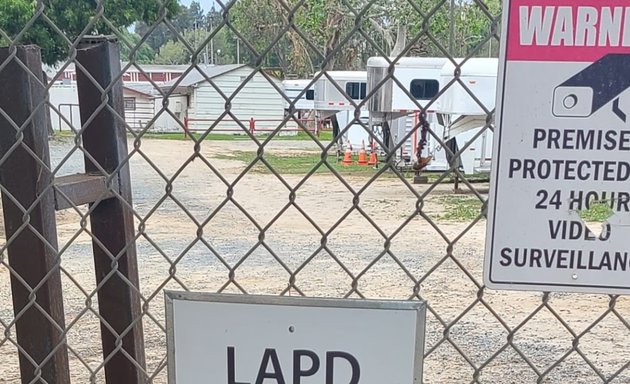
<point>329,99</point>
<point>295,91</point>
<point>331,103</point>
<point>395,106</point>
<point>463,117</point>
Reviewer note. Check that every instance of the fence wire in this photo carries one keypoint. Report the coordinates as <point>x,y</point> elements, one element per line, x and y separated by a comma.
<point>223,207</point>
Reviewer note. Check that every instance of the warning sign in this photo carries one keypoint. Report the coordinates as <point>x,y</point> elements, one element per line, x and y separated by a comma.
<point>559,208</point>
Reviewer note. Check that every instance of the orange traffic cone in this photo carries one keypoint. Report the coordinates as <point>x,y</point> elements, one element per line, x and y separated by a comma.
<point>347,159</point>
<point>373,160</point>
<point>362,155</point>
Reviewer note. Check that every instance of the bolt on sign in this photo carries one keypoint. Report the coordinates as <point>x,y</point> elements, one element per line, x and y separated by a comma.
<point>558,214</point>
<point>243,339</point>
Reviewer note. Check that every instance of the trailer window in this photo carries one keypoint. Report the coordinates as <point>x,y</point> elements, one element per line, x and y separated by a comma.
<point>310,94</point>
<point>424,89</point>
<point>356,91</point>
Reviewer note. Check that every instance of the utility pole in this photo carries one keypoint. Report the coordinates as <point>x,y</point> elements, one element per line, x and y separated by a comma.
<point>238,50</point>
<point>212,39</point>
<point>451,39</point>
<point>205,55</point>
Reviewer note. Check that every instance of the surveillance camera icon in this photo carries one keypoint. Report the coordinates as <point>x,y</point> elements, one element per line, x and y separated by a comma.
<point>572,101</point>
<point>594,87</point>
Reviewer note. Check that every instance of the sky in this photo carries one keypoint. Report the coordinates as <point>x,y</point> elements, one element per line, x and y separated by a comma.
<point>206,4</point>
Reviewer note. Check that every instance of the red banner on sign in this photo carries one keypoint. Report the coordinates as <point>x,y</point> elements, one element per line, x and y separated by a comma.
<point>567,30</point>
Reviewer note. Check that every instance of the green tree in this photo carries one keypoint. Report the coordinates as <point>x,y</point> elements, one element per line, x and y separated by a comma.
<point>213,18</point>
<point>72,17</point>
<point>477,26</point>
<point>197,18</point>
<point>470,25</point>
<point>225,41</point>
<point>330,25</point>
<point>175,52</point>
<point>324,24</point>
<point>187,18</point>
<point>14,15</point>
<point>260,22</point>
<point>157,36</point>
<point>171,53</point>
<point>144,54</point>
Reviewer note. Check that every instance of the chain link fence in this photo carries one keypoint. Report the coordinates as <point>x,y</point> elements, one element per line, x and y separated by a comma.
<point>163,184</point>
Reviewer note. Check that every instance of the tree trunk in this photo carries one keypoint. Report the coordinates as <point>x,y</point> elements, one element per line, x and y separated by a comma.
<point>401,40</point>
<point>334,23</point>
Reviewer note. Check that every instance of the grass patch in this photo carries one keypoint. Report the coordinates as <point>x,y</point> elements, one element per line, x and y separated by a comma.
<point>472,179</point>
<point>304,163</point>
<point>63,134</point>
<point>197,136</point>
<point>460,208</point>
<point>599,212</point>
<point>301,136</point>
<point>296,164</point>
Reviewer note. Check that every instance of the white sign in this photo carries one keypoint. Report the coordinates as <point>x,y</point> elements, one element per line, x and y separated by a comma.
<point>242,339</point>
<point>562,149</point>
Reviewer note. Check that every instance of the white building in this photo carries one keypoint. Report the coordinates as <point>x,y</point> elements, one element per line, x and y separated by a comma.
<point>139,104</point>
<point>136,73</point>
<point>192,98</point>
<point>139,95</point>
<point>64,107</point>
<point>258,102</point>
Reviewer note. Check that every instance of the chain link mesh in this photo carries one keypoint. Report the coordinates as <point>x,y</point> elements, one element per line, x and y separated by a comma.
<point>276,213</point>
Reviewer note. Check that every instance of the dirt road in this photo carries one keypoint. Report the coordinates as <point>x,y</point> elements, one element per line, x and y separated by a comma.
<point>195,224</point>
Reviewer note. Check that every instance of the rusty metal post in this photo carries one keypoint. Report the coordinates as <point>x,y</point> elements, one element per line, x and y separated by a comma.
<point>112,220</point>
<point>252,126</point>
<point>28,181</point>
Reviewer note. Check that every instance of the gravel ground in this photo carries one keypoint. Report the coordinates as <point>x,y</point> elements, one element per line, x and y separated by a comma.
<point>466,337</point>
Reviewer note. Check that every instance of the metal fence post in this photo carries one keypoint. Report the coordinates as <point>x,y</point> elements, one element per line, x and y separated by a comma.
<point>252,126</point>
<point>112,220</point>
<point>36,277</point>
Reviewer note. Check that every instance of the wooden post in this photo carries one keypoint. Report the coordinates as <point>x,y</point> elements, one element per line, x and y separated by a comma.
<point>28,180</point>
<point>112,220</point>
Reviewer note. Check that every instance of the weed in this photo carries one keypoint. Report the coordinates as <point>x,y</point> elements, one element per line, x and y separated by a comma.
<point>598,211</point>
<point>460,208</point>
